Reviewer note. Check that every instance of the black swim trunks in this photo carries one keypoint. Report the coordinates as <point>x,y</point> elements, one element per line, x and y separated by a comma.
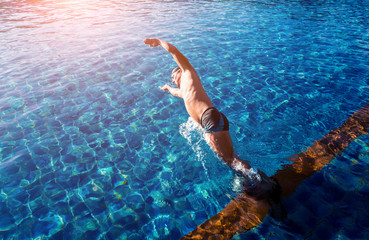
<point>214,121</point>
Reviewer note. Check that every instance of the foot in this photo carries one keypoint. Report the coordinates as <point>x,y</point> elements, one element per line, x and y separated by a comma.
<point>258,185</point>
<point>267,188</point>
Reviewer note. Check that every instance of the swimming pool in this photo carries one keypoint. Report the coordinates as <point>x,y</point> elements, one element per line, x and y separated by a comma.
<point>91,148</point>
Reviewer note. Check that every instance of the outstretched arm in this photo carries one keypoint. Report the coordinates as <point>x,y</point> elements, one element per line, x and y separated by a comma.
<point>174,91</point>
<point>180,59</point>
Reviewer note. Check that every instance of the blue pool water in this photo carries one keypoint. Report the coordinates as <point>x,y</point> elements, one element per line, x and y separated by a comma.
<point>91,148</point>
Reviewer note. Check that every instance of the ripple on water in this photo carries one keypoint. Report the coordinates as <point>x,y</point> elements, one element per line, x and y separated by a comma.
<point>89,146</point>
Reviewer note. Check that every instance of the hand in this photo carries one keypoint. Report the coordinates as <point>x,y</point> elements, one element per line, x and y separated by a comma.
<point>153,42</point>
<point>165,87</point>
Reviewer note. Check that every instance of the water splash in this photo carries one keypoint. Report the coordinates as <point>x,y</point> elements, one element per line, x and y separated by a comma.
<point>195,137</point>
<point>250,174</point>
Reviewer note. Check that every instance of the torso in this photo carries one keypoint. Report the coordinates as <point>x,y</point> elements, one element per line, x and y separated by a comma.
<point>195,98</point>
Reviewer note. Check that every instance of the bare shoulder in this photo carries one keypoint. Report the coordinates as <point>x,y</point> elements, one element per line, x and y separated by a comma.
<point>190,74</point>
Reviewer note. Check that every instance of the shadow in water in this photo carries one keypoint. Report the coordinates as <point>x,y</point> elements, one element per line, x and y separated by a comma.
<point>245,213</point>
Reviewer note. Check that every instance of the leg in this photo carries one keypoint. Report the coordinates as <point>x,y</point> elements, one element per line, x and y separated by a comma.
<point>257,182</point>
<point>221,143</point>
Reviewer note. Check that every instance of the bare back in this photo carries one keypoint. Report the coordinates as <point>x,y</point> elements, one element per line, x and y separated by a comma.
<point>195,98</point>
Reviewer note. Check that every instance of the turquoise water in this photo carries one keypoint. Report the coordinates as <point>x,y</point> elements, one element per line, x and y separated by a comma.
<point>91,148</point>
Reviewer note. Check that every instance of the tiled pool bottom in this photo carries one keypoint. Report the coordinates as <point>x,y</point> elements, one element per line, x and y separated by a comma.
<point>332,204</point>
<point>329,205</point>
<point>86,185</point>
<point>90,148</point>
<point>95,176</point>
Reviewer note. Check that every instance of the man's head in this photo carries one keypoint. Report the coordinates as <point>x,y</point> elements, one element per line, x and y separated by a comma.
<point>176,76</point>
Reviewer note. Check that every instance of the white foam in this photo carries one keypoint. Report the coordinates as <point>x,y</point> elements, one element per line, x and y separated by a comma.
<point>251,174</point>
<point>195,136</point>
<point>237,183</point>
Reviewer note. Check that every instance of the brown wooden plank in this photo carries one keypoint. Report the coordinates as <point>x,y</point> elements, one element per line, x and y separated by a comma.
<point>244,213</point>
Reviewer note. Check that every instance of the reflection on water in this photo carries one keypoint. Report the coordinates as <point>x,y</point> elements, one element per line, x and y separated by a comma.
<point>245,213</point>
<point>89,146</point>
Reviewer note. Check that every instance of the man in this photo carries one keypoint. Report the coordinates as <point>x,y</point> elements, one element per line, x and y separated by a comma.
<point>215,124</point>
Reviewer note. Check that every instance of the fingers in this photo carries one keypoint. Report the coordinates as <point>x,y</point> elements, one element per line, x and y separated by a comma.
<point>164,88</point>
<point>153,42</point>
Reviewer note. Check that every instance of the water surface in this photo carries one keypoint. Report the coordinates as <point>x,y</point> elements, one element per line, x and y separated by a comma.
<point>91,148</point>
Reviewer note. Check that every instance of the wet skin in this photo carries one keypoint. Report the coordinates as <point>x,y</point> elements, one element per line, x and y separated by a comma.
<point>190,89</point>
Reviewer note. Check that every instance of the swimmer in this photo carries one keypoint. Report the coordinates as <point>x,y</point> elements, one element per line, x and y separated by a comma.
<point>215,123</point>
